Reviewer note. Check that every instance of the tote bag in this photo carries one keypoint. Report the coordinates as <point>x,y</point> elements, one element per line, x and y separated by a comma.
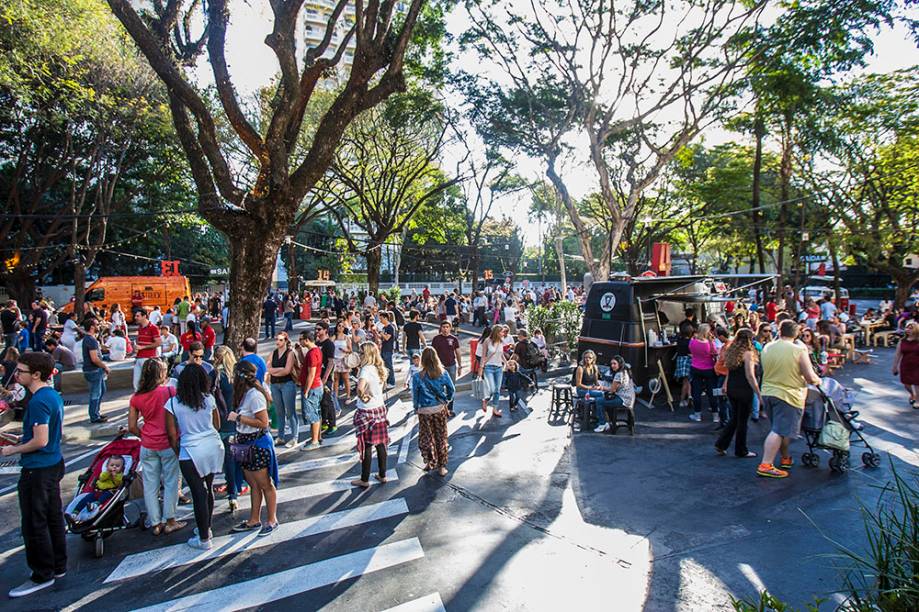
<point>480,390</point>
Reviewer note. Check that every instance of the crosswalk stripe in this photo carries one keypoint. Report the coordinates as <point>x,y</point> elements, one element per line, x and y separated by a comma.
<point>429,603</point>
<point>272,587</point>
<point>323,462</point>
<point>146,563</point>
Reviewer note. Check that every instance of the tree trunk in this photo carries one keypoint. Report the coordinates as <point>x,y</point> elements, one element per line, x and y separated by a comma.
<point>79,288</point>
<point>759,132</point>
<point>474,264</point>
<point>398,256</point>
<point>835,258</point>
<point>374,260</point>
<point>253,256</point>
<point>560,251</point>
<point>21,286</point>
<point>785,178</point>
<point>293,280</point>
<point>905,283</point>
<point>583,233</point>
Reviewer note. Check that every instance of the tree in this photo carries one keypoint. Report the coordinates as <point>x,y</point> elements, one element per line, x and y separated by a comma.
<point>80,109</point>
<point>862,155</point>
<point>641,81</point>
<point>254,204</point>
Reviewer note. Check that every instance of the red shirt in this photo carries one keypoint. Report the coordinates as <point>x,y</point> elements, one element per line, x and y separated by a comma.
<point>151,407</point>
<point>147,335</point>
<point>189,337</point>
<point>771,310</point>
<point>210,336</point>
<point>313,360</point>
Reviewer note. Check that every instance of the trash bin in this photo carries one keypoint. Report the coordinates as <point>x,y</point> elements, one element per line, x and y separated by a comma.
<point>473,362</point>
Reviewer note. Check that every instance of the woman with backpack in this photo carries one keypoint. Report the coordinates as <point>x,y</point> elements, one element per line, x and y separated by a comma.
<point>432,391</point>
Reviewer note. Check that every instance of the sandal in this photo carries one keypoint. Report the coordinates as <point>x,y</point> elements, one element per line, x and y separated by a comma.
<point>173,528</point>
<point>497,413</point>
<point>443,471</point>
<point>157,529</point>
<point>381,479</point>
<point>749,455</point>
<point>360,483</point>
<point>720,452</point>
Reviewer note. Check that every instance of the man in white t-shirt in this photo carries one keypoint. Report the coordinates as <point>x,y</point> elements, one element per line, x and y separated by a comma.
<point>370,301</point>
<point>117,346</point>
<point>156,316</point>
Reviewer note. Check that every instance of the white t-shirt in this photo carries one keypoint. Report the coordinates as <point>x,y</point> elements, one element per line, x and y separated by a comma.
<point>371,378</point>
<point>169,345</point>
<point>117,348</point>
<point>118,318</point>
<point>510,314</point>
<point>192,422</point>
<point>156,317</point>
<point>69,336</point>
<point>253,403</point>
<point>494,354</point>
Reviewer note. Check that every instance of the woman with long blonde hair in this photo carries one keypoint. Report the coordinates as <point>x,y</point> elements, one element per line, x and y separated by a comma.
<point>432,391</point>
<point>370,424</point>
<point>491,365</point>
<point>740,386</point>
<point>224,366</point>
<point>587,386</point>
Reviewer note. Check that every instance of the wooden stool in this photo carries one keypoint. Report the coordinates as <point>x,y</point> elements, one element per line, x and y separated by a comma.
<point>884,336</point>
<point>561,398</point>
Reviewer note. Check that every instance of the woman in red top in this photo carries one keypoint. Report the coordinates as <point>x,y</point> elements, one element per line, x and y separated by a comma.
<point>160,463</point>
<point>906,363</point>
<point>191,335</point>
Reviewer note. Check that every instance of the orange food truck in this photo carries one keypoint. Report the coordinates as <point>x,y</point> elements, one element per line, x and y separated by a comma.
<point>134,293</point>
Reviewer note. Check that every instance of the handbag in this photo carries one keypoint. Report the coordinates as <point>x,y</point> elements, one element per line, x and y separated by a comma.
<point>352,360</point>
<point>480,389</point>
<point>242,451</point>
<point>834,435</point>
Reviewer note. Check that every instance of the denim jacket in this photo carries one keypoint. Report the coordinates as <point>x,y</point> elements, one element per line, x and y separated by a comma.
<point>424,388</point>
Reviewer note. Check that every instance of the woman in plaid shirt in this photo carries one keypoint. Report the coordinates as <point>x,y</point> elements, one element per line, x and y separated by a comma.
<point>370,424</point>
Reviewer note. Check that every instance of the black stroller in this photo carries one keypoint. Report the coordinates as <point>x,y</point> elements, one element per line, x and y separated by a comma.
<point>831,402</point>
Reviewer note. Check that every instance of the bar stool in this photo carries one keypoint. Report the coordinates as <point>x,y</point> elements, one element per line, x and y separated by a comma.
<point>561,398</point>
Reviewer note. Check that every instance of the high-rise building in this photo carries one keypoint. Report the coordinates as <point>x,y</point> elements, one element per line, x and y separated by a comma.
<point>316,15</point>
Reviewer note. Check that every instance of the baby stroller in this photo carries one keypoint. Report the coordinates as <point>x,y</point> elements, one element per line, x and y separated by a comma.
<point>110,515</point>
<point>832,401</point>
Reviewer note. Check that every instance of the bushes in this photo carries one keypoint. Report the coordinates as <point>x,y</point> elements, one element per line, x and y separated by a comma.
<point>560,322</point>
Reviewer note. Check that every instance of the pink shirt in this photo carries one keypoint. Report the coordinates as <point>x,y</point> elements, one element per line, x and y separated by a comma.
<point>703,354</point>
<point>151,408</point>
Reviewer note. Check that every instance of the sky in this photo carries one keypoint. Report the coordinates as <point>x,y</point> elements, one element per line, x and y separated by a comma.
<point>252,64</point>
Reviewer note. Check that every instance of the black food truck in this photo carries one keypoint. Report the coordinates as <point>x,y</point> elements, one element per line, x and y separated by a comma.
<point>638,318</point>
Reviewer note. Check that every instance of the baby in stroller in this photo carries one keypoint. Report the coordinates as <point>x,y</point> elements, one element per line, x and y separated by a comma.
<point>87,505</point>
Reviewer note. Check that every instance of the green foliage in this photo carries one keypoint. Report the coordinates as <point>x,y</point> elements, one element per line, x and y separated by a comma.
<point>770,603</point>
<point>560,320</point>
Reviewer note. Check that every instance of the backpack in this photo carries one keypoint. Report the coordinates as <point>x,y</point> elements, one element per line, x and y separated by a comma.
<point>531,355</point>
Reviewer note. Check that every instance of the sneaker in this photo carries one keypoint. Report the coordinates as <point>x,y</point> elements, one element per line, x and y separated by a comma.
<point>695,416</point>
<point>324,427</point>
<point>28,587</point>
<point>290,443</point>
<point>768,470</point>
<point>209,532</point>
<point>60,574</point>
<point>234,505</point>
<point>310,446</point>
<point>716,417</point>
<point>786,462</point>
<point>243,527</point>
<point>267,530</point>
<point>196,542</point>
<point>101,419</point>
<point>244,490</point>
<point>602,428</point>
<point>332,430</point>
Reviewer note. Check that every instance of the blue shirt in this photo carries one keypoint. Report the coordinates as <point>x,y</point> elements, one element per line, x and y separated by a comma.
<point>260,367</point>
<point>90,344</point>
<point>45,408</point>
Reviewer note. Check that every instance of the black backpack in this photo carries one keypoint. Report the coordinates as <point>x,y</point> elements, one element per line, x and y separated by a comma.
<point>531,356</point>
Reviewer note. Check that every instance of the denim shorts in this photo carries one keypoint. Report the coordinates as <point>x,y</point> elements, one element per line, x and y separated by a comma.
<point>786,419</point>
<point>309,405</point>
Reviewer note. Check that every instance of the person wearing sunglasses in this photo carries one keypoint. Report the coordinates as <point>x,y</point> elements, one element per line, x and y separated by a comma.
<point>42,465</point>
<point>195,356</point>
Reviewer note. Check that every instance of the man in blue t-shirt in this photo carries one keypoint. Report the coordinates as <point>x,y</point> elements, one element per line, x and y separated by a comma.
<point>95,371</point>
<point>249,348</point>
<point>40,507</point>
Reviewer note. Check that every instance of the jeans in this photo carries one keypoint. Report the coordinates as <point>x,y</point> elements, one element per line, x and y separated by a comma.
<point>160,467</point>
<point>599,403</point>
<point>310,403</point>
<point>451,371</point>
<point>138,367</point>
<point>737,426</point>
<point>269,327</point>
<point>96,381</point>
<point>755,407</point>
<point>231,468</point>
<point>703,380</point>
<point>412,352</point>
<point>284,396</point>
<point>514,397</point>
<point>494,374</point>
<point>202,496</point>
<point>43,521</point>
<point>478,317</point>
<point>59,377</point>
<point>289,321</point>
<point>387,359</point>
<point>10,340</point>
<point>38,339</point>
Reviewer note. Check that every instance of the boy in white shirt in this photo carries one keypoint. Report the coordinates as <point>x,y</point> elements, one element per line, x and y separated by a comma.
<point>117,346</point>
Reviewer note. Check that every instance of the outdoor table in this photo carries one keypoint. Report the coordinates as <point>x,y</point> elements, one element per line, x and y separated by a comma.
<point>868,327</point>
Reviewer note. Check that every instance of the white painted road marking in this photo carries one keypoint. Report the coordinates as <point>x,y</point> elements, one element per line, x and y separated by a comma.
<point>145,563</point>
<point>428,603</point>
<point>272,587</point>
<point>322,462</point>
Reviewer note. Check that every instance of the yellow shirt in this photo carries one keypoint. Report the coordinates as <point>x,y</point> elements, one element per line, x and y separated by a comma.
<point>109,481</point>
<point>781,375</point>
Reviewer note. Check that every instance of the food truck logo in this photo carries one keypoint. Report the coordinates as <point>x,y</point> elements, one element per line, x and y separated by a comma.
<point>608,301</point>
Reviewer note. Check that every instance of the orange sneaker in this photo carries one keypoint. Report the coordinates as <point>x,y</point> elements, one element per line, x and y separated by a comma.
<point>786,463</point>
<point>768,470</point>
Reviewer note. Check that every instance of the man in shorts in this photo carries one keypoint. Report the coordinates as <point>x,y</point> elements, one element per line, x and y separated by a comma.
<point>786,373</point>
<point>311,386</point>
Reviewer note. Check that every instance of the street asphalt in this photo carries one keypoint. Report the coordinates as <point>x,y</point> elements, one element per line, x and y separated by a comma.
<point>531,517</point>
